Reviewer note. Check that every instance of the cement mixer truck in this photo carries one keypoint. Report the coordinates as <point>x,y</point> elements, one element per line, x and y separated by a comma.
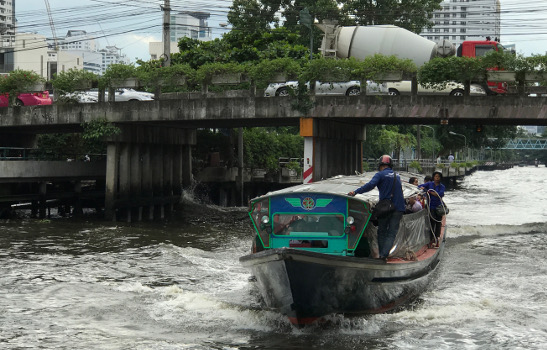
<point>364,41</point>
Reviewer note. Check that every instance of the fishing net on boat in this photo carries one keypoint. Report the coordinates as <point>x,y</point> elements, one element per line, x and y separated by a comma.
<point>414,233</point>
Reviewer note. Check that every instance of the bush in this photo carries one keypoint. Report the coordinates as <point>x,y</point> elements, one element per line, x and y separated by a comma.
<point>416,165</point>
<point>169,78</point>
<point>206,71</point>
<point>263,72</point>
<point>439,72</point>
<point>116,72</point>
<point>72,80</point>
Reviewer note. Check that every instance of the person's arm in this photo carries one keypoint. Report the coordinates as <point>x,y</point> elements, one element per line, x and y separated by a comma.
<point>368,186</point>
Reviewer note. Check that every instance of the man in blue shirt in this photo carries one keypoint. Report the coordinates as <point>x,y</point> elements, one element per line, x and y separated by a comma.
<point>388,225</point>
<point>435,190</point>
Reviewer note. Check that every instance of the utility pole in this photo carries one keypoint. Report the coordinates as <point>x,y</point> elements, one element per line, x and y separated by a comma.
<point>166,33</point>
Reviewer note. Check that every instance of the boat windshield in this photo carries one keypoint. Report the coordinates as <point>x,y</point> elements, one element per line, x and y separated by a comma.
<point>309,224</point>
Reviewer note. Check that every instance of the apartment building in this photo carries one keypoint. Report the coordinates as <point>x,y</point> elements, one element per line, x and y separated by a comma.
<point>461,20</point>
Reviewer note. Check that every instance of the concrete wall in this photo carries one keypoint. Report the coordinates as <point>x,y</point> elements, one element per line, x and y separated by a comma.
<point>209,110</point>
<point>23,171</point>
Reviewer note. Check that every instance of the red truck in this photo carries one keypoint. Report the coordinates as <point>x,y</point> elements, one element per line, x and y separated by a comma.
<point>479,48</point>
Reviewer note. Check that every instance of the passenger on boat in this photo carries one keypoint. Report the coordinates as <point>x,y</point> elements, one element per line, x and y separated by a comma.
<point>413,205</point>
<point>420,198</point>
<point>435,190</point>
<point>387,225</point>
<point>413,180</point>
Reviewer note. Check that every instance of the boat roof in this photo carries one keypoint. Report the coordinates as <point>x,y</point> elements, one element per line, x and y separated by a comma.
<point>342,184</point>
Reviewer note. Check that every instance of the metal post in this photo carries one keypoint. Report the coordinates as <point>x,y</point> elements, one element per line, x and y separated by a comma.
<point>166,33</point>
<point>240,168</point>
<point>433,148</point>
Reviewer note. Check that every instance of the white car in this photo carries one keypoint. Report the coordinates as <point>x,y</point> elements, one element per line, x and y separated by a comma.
<point>121,95</point>
<point>348,88</point>
<point>452,89</point>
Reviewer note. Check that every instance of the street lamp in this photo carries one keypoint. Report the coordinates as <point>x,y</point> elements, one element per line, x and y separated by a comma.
<point>464,140</point>
<point>433,146</point>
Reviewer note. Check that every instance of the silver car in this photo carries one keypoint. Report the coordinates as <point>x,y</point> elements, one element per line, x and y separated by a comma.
<point>348,88</point>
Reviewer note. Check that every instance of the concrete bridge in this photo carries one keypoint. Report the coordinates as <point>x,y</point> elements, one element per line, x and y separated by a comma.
<point>150,161</point>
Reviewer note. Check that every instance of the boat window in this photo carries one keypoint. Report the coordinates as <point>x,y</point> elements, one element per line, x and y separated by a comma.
<point>259,210</point>
<point>309,224</point>
<point>360,214</point>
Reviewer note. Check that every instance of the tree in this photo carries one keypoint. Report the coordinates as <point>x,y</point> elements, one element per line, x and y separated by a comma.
<point>260,15</point>
<point>413,15</point>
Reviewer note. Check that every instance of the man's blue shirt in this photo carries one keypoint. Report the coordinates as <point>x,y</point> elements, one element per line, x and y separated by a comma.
<point>384,181</point>
<point>435,201</point>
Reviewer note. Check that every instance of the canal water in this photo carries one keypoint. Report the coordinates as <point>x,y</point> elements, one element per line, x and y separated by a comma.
<point>90,284</point>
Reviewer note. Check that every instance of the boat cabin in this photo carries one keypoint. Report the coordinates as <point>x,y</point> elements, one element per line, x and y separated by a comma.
<point>321,218</point>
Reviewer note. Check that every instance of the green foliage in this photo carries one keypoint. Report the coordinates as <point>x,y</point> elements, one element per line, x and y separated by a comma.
<point>206,72</point>
<point>117,72</point>
<point>411,15</point>
<point>439,72</point>
<point>196,53</point>
<point>325,69</point>
<point>59,146</point>
<point>263,148</point>
<point>72,80</point>
<point>95,134</point>
<point>373,67</point>
<point>99,129</point>
<point>265,70</point>
<point>416,165</point>
<point>76,146</point>
<point>168,78</point>
<point>294,165</point>
<point>18,81</point>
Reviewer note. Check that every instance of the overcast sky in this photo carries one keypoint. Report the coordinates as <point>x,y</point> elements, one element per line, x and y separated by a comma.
<point>131,24</point>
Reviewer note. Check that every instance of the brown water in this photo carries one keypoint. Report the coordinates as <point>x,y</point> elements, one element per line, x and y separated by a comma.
<point>92,284</point>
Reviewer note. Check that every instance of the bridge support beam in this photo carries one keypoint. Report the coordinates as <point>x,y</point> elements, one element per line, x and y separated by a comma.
<point>331,148</point>
<point>146,170</point>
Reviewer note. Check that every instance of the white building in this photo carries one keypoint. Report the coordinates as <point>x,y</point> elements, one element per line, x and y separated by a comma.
<point>30,52</point>
<point>78,42</point>
<point>461,20</point>
<point>111,55</point>
<point>185,24</point>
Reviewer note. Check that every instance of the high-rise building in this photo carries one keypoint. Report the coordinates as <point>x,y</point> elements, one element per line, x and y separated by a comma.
<point>7,17</point>
<point>7,34</point>
<point>190,25</point>
<point>186,24</point>
<point>461,20</point>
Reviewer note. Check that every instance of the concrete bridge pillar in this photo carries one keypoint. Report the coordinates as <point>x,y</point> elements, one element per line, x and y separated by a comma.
<point>146,170</point>
<point>331,148</point>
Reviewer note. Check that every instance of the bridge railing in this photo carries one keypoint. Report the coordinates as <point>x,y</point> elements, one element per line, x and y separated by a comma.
<point>15,153</point>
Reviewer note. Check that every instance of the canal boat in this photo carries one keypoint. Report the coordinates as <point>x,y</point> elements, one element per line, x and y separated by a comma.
<point>315,251</point>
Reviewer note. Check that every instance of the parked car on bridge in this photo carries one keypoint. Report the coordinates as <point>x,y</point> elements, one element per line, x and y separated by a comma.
<point>27,99</point>
<point>120,95</point>
<point>348,88</point>
<point>453,89</point>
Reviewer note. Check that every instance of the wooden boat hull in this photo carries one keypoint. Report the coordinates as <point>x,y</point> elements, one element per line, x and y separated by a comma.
<point>307,285</point>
